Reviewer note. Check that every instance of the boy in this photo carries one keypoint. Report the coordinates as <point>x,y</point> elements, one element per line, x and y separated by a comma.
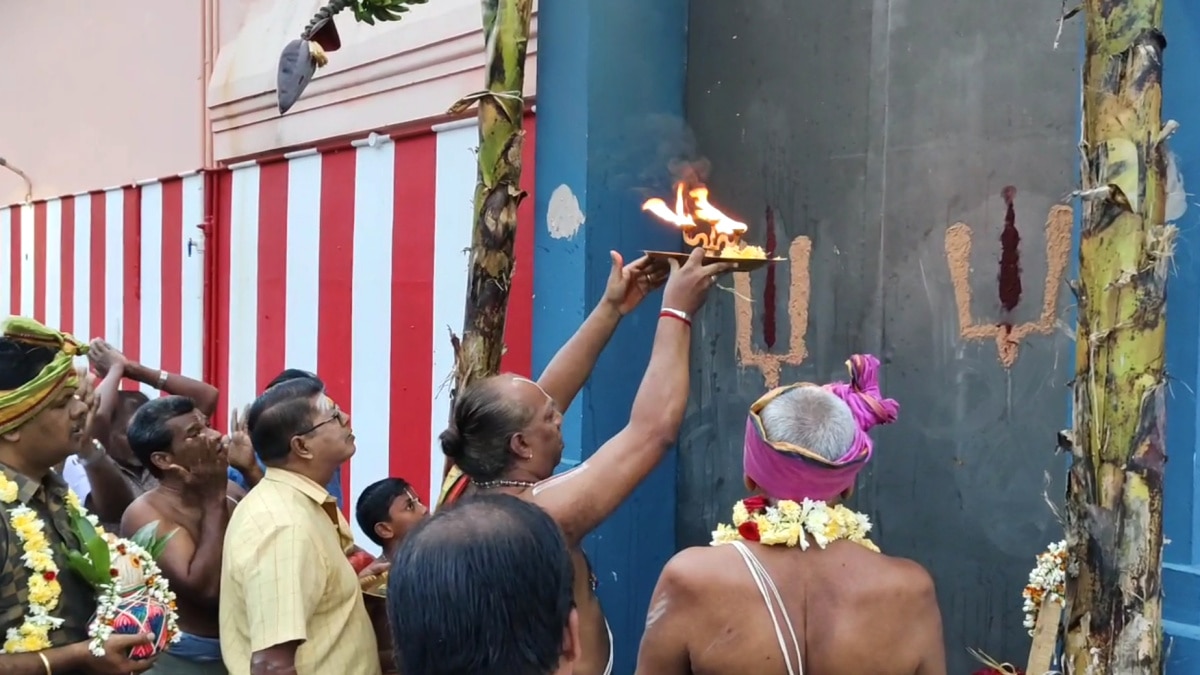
<point>386,511</point>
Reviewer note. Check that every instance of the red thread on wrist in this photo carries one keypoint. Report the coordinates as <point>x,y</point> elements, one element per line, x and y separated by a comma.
<point>672,315</point>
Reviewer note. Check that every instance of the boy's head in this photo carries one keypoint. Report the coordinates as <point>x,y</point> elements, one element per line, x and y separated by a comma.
<point>387,510</point>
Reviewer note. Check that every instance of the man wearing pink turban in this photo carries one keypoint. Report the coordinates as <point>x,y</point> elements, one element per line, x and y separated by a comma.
<point>794,583</point>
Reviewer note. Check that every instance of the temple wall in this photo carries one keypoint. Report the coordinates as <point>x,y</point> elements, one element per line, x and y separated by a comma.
<point>874,143</point>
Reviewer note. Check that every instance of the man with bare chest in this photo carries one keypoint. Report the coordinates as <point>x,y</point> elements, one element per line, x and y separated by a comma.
<point>506,431</point>
<point>792,584</point>
<point>194,499</point>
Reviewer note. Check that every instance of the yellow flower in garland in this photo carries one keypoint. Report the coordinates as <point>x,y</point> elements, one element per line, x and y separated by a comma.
<point>26,639</point>
<point>788,523</point>
<point>8,490</point>
<point>44,590</point>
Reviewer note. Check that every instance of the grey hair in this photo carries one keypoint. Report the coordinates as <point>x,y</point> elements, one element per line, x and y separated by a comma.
<point>813,418</point>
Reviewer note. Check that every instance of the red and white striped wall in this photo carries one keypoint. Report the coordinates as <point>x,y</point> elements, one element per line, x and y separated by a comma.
<point>350,262</point>
<point>124,264</point>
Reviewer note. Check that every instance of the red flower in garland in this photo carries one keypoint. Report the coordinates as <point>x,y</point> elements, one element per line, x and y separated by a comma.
<point>749,530</point>
<point>755,505</point>
<point>49,576</point>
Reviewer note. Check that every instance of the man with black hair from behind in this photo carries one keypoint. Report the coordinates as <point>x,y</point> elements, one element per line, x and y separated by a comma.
<point>492,551</point>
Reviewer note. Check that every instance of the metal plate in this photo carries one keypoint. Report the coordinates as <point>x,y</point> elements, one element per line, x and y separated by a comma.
<point>740,264</point>
<point>375,585</point>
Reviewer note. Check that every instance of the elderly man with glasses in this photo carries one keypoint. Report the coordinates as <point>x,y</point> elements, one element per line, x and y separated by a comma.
<point>290,602</point>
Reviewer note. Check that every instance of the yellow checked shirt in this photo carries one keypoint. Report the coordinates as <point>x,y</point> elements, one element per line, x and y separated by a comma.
<point>285,578</point>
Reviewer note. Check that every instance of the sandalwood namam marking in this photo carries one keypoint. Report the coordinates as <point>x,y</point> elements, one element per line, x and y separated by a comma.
<point>722,238</point>
<point>1008,337</point>
<point>799,255</point>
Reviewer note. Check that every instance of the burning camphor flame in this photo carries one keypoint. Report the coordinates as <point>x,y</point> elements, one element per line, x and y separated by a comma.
<point>691,208</point>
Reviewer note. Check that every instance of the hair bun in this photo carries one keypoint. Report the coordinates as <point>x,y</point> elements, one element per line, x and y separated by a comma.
<point>451,442</point>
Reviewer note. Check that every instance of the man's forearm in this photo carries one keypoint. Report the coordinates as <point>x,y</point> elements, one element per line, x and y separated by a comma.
<point>205,395</point>
<point>573,364</point>
<point>61,660</point>
<point>662,397</point>
<point>252,475</point>
<point>205,568</point>
<point>110,492</point>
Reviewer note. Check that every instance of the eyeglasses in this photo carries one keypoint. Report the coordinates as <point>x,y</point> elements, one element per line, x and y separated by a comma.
<point>337,417</point>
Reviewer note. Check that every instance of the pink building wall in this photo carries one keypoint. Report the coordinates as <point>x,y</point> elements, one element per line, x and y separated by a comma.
<point>126,90</point>
<point>99,95</point>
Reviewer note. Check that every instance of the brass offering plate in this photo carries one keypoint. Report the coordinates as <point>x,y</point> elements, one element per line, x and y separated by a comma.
<point>375,585</point>
<point>740,264</point>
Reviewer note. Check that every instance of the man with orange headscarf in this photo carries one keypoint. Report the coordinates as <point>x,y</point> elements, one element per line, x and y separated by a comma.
<point>793,581</point>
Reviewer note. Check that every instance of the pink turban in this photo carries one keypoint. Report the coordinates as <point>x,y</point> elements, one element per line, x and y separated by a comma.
<point>787,471</point>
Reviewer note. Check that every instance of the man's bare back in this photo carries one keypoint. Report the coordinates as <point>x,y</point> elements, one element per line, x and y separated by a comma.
<point>169,509</point>
<point>854,611</point>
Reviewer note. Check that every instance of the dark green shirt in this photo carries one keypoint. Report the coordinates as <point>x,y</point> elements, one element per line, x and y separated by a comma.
<point>78,600</point>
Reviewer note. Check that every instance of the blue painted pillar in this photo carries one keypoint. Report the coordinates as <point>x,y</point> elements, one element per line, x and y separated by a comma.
<point>1181,501</point>
<point>610,91</point>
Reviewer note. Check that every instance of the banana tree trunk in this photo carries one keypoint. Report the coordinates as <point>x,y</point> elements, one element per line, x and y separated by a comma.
<point>1114,488</point>
<point>498,191</point>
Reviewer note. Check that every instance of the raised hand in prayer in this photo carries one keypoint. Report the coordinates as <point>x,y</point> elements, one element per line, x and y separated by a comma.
<point>86,392</point>
<point>629,284</point>
<point>104,356</point>
<point>207,464</point>
<point>241,451</point>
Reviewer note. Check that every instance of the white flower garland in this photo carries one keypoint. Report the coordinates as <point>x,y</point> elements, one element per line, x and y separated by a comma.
<point>44,589</point>
<point>1047,580</point>
<point>788,523</point>
<point>33,634</point>
<point>109,597</point>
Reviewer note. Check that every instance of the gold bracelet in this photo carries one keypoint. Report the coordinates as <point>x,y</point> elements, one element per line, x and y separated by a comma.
<point>46,663</point>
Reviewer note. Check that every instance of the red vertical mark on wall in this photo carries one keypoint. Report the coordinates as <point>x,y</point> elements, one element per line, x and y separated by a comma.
<point>39,262</point>
<point>413,223</point>
<point>66,302</point>
<point>518,325</point>
<point>336,270</point>
<point>768,314</point>
<point>1010,259</point>
<point>219,373</point>
<point>272,271</point>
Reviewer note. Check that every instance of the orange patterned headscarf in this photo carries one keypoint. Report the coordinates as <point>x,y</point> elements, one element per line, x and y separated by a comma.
<point>18,406</point>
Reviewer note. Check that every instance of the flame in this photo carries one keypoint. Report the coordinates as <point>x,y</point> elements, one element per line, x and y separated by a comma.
<point>691,208</point>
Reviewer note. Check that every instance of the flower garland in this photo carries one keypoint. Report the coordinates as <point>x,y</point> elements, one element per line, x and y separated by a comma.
<point>1047,579</point>
<point>44,590</point>
<point>137,562</point>
<point>788,523</point>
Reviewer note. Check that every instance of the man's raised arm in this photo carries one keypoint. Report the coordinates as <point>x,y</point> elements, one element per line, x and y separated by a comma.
<point>572,365</point>
<point>582,499</point>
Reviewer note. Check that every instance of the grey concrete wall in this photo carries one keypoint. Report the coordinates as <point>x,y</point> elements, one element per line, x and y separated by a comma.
<point>871,127</point>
